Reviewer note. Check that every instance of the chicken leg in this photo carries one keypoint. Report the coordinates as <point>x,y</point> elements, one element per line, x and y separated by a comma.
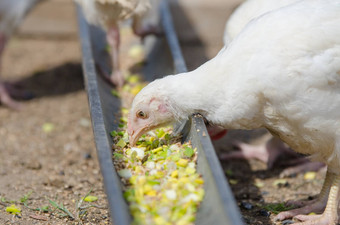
<point>113,39</point>
<point>269,152</point>
<point>141,31</point>
<point>329,216</point>
<point>300,165</point>
<point>5,95</point>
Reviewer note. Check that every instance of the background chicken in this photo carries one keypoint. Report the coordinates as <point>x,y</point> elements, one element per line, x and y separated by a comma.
<point>282,73</point>
<point>271,148</point>
<point>12,12</point>
<point>107,14</point>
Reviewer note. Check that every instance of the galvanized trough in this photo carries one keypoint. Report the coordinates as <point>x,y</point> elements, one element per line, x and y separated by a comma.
<point>164,57</point>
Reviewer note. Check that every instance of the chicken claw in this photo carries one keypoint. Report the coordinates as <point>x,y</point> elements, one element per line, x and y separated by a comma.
<point>6,99</point>
<point>328,199</point>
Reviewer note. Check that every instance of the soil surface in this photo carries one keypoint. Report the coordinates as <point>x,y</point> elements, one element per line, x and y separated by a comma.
<point>47,147</point>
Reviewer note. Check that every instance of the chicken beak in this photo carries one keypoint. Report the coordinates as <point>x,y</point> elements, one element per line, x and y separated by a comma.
<point>132,141</point>
<point>134,136</point>
<point>133,133</point>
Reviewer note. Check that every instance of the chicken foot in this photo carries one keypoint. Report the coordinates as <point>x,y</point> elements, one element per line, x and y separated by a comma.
<point>321,197</point>
<point>330,215</point>
<point>330,188</point>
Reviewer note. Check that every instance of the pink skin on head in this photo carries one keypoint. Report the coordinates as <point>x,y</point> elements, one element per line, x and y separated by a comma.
<point>154,114</point>
<point>138,126</point>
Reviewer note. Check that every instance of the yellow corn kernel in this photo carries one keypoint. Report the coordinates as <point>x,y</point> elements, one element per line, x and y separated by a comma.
<point>13,209</point>
<point>174,174</point>
<point>199,181</point>
<point>309,176</point>
<point>182,162</point>
<point>147,188</point>
<point>190,170</point>
<point>151,193</point>
<point>157,150</point>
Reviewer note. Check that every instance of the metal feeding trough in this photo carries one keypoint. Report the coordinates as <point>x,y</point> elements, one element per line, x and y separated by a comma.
<point>164,57</point>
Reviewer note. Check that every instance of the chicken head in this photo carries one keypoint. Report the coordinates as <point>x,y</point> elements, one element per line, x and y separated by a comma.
<point>147,114</point>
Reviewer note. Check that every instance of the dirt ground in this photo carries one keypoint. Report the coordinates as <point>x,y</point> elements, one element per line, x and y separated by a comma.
<point>47,148</point>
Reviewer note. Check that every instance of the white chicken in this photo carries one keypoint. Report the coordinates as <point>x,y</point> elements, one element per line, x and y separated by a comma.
<point>268,151</point>
<point>107,14</point>
<point>247,11</point>
<point>282,72</point>
<point>12,12</point>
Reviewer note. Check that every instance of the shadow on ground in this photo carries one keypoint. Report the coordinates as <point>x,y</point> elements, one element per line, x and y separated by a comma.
<point>60,80</point>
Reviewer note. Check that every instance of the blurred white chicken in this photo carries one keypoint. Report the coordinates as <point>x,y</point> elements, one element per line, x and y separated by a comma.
<point>270,149</point>
<point>107,14</point>
<point>282,72</point>
<point>12,12</point>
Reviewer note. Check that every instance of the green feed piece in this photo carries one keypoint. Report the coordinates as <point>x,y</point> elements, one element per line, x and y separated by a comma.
<point>159,176</point>
<point>160,180</point>
<point>276,208</point>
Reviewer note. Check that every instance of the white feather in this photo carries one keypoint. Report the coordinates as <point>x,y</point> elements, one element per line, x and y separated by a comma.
<point>104,13</point>
<point>247,11</point>
<point>282,72</point>
<point>12,12</point>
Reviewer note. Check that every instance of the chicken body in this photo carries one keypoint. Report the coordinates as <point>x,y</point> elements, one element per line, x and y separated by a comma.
<point>107,14</point>
<point>271,150</point>
<point>12,12</point>
<point>247,11</point>
<point>104,13</point>
<point>282,72</point>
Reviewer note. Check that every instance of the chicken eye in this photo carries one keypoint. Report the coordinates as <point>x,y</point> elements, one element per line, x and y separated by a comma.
<point>142,115</point>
